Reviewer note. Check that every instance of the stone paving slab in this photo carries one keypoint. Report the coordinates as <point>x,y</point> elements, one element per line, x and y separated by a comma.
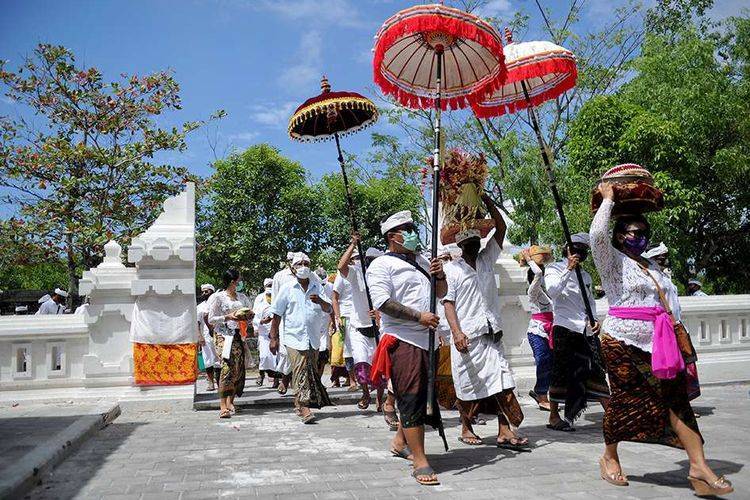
<point>166,450</point>
<point>34,438</point>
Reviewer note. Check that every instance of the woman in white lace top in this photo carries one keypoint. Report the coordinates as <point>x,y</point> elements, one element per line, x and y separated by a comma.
<point>642,408</point>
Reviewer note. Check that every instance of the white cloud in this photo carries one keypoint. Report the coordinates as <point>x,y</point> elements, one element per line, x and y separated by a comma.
<point>317,12</point>
<point>496,8</point>
<point>308,63</point>
<point>274,115</point>
<point>244,136</point>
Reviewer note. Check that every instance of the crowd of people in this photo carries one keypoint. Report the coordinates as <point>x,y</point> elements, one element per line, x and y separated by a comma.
<point>379,343</point>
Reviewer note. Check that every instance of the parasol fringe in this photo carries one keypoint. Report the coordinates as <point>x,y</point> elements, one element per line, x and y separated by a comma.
<point>432,21</point>
<point>483,110</point>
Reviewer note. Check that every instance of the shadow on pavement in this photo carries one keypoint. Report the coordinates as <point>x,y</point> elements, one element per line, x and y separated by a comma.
<point>678,477</point>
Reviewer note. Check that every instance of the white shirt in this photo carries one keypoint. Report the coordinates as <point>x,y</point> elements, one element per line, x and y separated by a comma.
<point>325,321</point>
<point>465,292</point>
<point>344,289</point>
<point>51,307</point>
<point>539,300</point>
<point>220,306</point>
<point>699,293</point>
<point>280,279</point>
<point>301,316</point>
<point>567,301</point>
<point>201,314</point>
<point>391,278</point>
<point>360,317</point>
<point>625,283</point>
<point>262,309</point>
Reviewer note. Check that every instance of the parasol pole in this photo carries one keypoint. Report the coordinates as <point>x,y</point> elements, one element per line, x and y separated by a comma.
<point>352,216</point>
<point>431,356</point>
<point>556,196</point>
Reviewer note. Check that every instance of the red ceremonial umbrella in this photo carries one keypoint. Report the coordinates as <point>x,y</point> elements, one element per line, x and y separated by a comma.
<point>325,117</point>
<point>436,56</point>
<point>537,72</point>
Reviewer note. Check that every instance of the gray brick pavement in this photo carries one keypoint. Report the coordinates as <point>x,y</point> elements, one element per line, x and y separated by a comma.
<point>165,450</point>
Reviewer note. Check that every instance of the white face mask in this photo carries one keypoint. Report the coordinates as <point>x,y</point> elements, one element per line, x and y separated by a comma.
<point>302,272</point>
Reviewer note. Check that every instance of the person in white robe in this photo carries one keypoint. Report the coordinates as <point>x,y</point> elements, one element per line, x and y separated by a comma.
<point>55,304</point>
<point>208,349</point>
<point>262,326</point>
<point>360,332</point>
<point>694,289</point>
<point>481,373</point>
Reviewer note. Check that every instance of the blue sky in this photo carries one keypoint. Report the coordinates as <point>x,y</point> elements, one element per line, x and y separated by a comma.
<point>257,59</point>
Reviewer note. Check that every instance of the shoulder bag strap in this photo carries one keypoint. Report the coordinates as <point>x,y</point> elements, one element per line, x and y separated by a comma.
<point>412,263</point>
<point>662,297</point>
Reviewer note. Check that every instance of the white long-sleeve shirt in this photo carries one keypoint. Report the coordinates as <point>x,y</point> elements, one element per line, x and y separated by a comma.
<point>221,305</point>
<point>539,300</point>
<point>262,309</point>
<point>51,307</point>
<point>567,300</point>
<point>625,283</point>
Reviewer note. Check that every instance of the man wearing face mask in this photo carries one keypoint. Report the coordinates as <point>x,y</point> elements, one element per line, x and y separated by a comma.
<point>300,305</point>
<point>262,326</point>
<point>400,289</point>
<point>575,378</point>
<point>481,373</point>
<point>281,278</point>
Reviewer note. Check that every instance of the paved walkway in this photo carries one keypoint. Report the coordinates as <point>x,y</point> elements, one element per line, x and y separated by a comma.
<point>166,450</point>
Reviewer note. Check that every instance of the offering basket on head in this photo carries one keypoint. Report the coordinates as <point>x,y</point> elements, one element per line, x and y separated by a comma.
<point>634,189</point>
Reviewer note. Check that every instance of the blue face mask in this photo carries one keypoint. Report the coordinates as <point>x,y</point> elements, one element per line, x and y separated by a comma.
<point>411,240</point>
<point>240,286</point>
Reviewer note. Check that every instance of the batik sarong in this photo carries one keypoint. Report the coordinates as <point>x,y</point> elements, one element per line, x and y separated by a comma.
<point>310,392</point>
<point>232,374</point>
<point>639,407</point>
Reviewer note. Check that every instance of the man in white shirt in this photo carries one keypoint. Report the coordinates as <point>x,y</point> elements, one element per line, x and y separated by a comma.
<point>262,327</point>
<point>299,304</point>
<point>360,332</point>
<point>55,304</point>
<point>342,312</point>
<point>576,377</point>
<point>694,289</point>
<point>481,373</point>
<point>400,289</point>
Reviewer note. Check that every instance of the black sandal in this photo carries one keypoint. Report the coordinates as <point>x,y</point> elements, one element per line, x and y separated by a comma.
<point>425,471</point>
<point>562,426</point>
<point>403,453</point>
<point>520,444</point>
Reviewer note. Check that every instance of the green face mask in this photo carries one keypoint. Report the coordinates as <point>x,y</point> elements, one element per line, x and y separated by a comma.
<point>411,240</point>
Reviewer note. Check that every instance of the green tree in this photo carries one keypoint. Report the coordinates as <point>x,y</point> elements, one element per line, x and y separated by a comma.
<point>258,206</point>
<point>686,117</point>
<point>86,172</point>
<point>374,198</point>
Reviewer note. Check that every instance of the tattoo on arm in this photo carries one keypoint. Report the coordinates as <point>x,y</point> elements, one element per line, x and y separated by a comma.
<point>400,311</point>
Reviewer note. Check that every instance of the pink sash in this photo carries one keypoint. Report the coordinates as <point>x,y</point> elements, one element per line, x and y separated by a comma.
<point>546,320</point>
<point>666,358</point>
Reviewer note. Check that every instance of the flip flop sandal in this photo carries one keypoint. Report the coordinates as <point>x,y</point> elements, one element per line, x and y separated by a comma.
<point>391,419</point>
<point>614,478</point>
<point>282,390</point>
<point>425,472</point>
<point>562,426</point>
<point>353,388</point>
<point>363,404</point>
<point>308,419</point>
<point>521,444</point>
<point>259,382</point>
<point>471,441</point>
<point>225,414</point>
<point>404,453</point>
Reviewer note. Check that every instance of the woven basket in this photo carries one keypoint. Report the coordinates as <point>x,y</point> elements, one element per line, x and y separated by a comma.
<point>634,191</point>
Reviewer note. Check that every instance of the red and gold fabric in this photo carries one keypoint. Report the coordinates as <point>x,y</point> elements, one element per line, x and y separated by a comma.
<point>164,364</point>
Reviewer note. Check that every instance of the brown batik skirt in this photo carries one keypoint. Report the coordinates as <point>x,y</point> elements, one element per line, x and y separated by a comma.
<point>232,374</point>
<point>310,392</point>
<point>639,407</point>
<point>503,404</point>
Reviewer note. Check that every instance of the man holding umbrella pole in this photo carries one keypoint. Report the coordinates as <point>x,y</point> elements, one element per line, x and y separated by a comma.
<point>400,289</point>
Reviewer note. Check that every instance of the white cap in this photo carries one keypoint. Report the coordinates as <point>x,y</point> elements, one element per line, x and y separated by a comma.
<point>467,234</point>
<point>289,255</point>
<point>656,251</point>
<point>695,282</point>
<point>268,283</point>
<point>373,252</point>
<point>581,238</point>
<point>44,298</point>
<point>207,286</point>
<point>395,220</point>
<point>300,257</point>
<point>61,292</point>
<point>20,309</point>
